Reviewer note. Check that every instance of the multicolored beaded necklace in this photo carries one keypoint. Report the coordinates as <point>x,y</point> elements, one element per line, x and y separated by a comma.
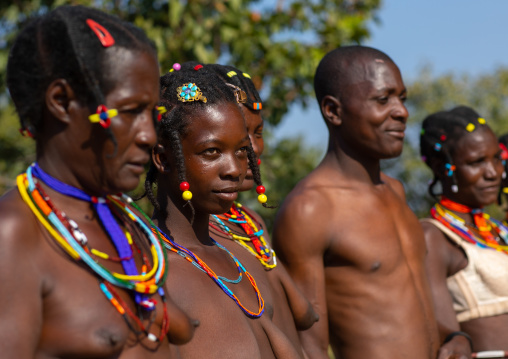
<point>200,264</point>
<point>484,225</point>
<point>73,241</point>
<point>239,215</point>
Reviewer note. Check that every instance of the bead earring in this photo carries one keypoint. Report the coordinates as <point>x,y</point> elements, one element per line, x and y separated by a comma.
<point>261,192</point>
<point>186,195</point>
<point>455,188</point>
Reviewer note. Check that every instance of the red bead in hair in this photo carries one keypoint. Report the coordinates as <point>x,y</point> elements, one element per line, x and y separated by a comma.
<point>260,189</point>
<point>197,67</point>
<point>184,186</point>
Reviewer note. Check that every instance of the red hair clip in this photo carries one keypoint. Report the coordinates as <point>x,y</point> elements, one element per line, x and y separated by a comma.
<point>104,36</point>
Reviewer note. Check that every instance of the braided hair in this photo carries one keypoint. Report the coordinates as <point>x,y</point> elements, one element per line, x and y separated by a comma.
<point>439,135</point>
<point>60,44</point>
<point>174,123</point>
<point>503,143</point>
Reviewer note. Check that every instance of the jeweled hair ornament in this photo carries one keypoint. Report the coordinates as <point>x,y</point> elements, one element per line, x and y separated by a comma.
<point>190,92</point>
<point>103,116</point>
<point>241,96</point>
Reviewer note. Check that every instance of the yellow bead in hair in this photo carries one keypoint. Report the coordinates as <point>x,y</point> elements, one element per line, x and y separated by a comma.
<point>262,198</point>
<point>481,121</point>
<point>470,127</point>
<point>187,195</point>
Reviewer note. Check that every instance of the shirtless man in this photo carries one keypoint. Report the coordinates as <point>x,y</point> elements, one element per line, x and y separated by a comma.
<point>345,232</point>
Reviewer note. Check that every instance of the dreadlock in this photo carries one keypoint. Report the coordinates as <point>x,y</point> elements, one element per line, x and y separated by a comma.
<point>60,44</point>
<point>439,136</point>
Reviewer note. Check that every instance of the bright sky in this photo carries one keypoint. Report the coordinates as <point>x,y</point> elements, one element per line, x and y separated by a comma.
<point>453,36</point>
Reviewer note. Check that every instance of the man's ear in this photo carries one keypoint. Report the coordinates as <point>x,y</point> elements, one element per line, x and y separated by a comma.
<point>331,110</point>
<point>160,158</point>
<point>59,97</point>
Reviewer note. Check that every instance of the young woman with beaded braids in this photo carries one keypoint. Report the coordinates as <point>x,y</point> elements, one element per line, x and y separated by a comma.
<point>82,273</point>
<point>244,226</point>
<point>467,261</point>
<point>198,167</point>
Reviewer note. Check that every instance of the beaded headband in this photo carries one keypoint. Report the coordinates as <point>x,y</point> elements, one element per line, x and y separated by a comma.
<point>190,92</point>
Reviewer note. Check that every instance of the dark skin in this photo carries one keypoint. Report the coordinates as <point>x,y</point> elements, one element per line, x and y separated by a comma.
<point>55,308</point>
<point>478,173</point>
<point>289,305</point>
<point>347,237</point>
<point>215,151</point>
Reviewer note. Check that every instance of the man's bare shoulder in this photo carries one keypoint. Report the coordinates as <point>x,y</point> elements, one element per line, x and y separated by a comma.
<point>395,185</point>
<point>302,214</point>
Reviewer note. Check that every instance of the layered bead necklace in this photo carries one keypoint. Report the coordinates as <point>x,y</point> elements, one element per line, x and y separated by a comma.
<point>483,223</point>
<point>252,233</point>
<point>74,242</point>
<point>219,280</point>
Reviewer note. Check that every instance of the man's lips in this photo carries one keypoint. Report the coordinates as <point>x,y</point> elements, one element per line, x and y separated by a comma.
<point>398,132</point>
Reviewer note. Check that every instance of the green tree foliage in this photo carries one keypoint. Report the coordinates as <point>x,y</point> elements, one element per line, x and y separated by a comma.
<point>279,43</point>
<point>486,93</point>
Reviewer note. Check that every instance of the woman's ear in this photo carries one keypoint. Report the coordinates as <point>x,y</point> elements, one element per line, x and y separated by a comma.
<point>59,98</point>
<point>160,158</point>
<point>331,110</point>
<point>438,167</point>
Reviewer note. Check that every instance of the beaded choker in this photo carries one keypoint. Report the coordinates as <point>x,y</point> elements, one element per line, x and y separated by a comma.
<point>198,263</point>
<point>483,224</point>
<point>251,234</point>
<point>73,241</point>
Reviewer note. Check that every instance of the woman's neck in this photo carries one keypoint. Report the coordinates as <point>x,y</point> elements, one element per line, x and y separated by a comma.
<point>179,221</point>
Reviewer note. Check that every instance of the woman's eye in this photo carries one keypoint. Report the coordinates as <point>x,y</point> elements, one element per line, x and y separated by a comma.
<point>134,111</point>
<point>242,150</point>
<point>211,151</point>
<point>382,100</point>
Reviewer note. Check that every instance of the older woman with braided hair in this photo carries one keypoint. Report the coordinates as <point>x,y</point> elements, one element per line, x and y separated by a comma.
<point>83,275</point>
